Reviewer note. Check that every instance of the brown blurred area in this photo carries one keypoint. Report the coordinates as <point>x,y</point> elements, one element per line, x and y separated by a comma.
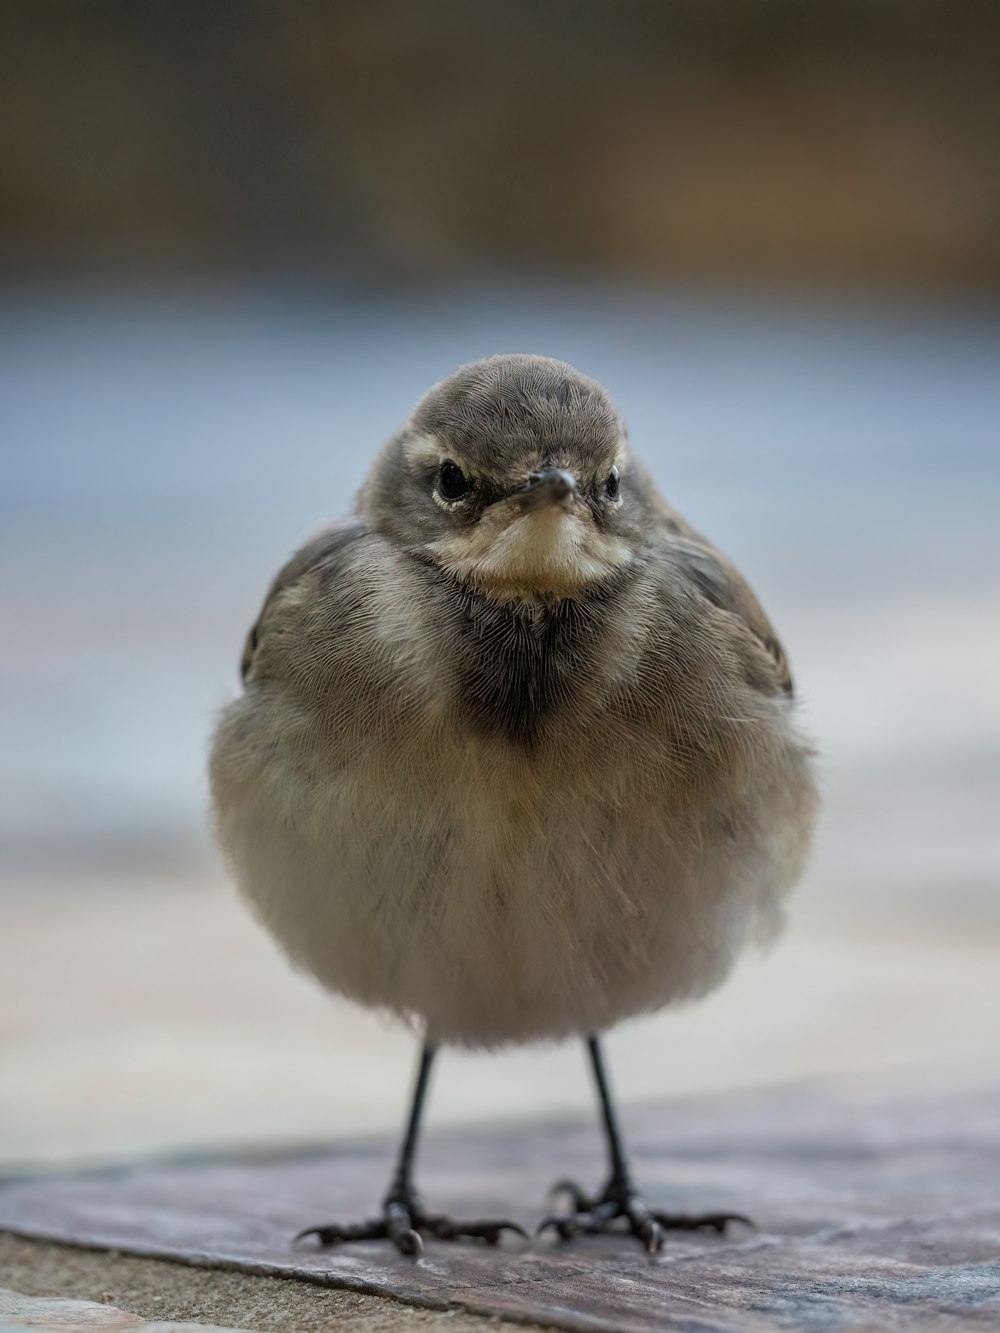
<point>740,216</point>
<point>847,143</point>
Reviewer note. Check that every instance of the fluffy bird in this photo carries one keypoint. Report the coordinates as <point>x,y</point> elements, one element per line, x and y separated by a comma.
<point>516,756</point>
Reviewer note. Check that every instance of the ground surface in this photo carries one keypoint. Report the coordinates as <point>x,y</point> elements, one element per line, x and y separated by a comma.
<point>54,1286</point>
<point>876,1207</point>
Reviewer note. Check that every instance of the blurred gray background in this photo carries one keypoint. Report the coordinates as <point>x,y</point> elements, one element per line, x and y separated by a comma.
<point>237,241</point>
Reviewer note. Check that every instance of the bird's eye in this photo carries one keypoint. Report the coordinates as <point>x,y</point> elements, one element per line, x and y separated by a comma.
<point>613,484</point>
<point>452,481</point>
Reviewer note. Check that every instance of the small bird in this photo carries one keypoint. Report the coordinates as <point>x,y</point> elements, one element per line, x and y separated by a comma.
<point>516,756</point>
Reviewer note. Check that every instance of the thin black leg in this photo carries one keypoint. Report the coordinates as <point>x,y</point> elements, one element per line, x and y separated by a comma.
<point>399,1203</point>
<point>403,1178</point>
<point>403,1216</point>
<point>616,1151</point>
<point>620,1199</point>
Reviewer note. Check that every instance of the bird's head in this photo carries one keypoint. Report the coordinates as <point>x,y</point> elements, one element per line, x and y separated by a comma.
<point>513,474</point>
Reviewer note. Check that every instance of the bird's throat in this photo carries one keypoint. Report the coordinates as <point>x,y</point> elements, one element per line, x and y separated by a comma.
<point>547,551</point>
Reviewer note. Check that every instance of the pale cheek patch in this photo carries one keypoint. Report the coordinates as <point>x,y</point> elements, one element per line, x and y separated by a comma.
<point>423,453</point>
<point>548,551</point>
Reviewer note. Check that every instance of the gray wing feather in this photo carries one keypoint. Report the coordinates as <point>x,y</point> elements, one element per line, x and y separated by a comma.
<point>323,549</point>
<point>721,585</point>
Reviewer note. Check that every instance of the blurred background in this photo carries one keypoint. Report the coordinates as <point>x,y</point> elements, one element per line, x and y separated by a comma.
<point>237,241</point>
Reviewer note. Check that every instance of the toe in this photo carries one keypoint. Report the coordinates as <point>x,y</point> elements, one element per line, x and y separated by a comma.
<point>490,1231</point>
<point>408,1242</point>
<point>309,1231</point>
<point>581,1201</point>
<point>650,1233</point>
<point>515,1227</point>
<point>716,1222</point>
<point>325,1235</point>
<point>742,1218</point>
<point>564,1226</point>
<point>335,1233</point>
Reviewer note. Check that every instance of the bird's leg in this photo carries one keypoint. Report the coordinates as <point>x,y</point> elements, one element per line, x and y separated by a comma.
<point>620,1198</point>
<point>404,1219</point>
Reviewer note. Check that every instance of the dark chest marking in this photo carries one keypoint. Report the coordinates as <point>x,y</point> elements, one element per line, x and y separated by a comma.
<point>515,665</point>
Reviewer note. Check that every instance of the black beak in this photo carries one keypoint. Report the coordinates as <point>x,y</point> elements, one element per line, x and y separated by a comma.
<point>549,485</point>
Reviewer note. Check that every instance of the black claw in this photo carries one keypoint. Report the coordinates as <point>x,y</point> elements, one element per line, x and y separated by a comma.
<point>582,1202</point>
<point>600,1214</point>
<point>516,1227</point>
<point>409,1242</point>
<point>620,1201</point>
<point>319,1232</point>
<point>444,1228</point>
<point>558,1222</point>
<point>335,1234</point>
<point>716,1222</point>
<point>651,1233</point>
<point>403,1225</point>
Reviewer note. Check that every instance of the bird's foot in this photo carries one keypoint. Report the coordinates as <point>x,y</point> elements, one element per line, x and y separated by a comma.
<point>404,1221</point>
<point>621,1200</point>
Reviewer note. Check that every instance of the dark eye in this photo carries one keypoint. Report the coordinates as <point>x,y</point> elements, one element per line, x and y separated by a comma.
<point>452,481</point>
<point>613,484</point>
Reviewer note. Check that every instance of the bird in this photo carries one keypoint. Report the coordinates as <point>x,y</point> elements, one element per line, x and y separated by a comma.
<point>517,757</point>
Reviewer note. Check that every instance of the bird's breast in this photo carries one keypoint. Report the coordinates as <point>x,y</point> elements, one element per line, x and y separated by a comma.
<point>515,669</point>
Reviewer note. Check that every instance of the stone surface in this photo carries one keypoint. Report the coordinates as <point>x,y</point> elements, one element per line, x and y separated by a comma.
<point>40,1275</point>
<point>876,1207</point>
<point>50,1314</point>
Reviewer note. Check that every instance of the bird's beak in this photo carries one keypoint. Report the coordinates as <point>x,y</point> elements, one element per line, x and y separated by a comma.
<point>549,486</point>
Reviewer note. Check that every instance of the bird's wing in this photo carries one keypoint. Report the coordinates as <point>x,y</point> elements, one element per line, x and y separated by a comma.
<point>721,585</point>
<point>324,551</point>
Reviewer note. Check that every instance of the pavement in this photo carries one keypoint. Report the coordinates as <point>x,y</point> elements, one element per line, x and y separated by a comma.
<point>54,1287</point>
<point>873,1204</point>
